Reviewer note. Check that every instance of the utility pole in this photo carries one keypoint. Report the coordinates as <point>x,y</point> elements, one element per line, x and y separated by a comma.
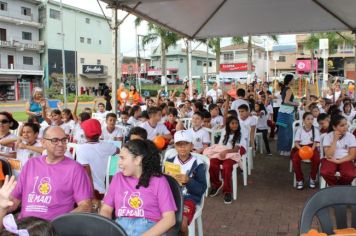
<point>63,59</point>
<point>114,79</point>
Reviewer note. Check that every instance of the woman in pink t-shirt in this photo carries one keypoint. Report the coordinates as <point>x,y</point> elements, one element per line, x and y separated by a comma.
<point>139,193</point>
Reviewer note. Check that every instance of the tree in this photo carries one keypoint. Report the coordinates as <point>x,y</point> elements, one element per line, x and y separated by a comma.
<point>335,39</point>
<point>214,44</point>
<point>167,39</point>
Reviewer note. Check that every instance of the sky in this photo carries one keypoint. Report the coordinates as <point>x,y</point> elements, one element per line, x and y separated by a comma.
<point>128,34</point>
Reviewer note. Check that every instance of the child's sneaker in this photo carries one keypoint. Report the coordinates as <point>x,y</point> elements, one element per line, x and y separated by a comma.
<point>300,185</point>
<point>227,198</point>
<point>215,191</point>
<point>312,183</point>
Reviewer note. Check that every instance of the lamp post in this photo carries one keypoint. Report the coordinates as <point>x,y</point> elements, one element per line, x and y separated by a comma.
<point>275,59</point>
<point>324,47</point>
<point>63,59</point>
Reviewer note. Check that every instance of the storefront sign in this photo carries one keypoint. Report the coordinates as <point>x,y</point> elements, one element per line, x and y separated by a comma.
<point>234,67</point>
<point>93,69</point>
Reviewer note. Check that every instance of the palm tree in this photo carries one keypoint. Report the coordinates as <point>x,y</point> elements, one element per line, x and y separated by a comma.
<point>335,39</point>
<point>167,39</point>
<point>214,44</point>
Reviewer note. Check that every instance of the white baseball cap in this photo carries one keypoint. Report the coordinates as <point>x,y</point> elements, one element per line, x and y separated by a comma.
<point>183,136</point>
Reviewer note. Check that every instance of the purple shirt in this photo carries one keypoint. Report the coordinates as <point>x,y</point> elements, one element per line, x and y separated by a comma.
<point>50,190</point>
<point>149,203</point>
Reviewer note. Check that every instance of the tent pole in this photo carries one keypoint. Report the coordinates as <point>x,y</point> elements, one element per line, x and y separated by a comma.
<point>354,92</point>
<point>190,69</point>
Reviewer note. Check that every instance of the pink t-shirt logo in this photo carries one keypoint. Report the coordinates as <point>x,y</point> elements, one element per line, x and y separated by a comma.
<point>44,187</point>
<point>135,204</point>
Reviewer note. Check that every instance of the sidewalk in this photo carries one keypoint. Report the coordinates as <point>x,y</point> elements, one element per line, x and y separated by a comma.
<point>268,205</point>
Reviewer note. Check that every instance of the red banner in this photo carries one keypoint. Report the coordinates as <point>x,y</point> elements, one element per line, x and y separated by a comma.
<point>234,67</point>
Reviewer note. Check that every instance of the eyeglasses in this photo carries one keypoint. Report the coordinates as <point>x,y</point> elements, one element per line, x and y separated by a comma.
<point>4,122</point>
<point>56,141</point>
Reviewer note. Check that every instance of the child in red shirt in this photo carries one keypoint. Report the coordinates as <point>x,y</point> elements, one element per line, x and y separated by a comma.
<point>171,122</point>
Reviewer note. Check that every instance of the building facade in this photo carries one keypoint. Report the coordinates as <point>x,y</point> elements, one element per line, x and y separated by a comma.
<point>87,46</point>
<point>20,49</point>
<point>177,63</point>
<point>234,59</point>
<point>282,60</point>
<point>341,63</point>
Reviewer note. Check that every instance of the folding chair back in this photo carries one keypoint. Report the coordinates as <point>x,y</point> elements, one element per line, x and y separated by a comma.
<point>327,204</point>
<point>111,169</point>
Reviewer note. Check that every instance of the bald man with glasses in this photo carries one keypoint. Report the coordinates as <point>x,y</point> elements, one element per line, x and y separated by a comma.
<point>50,185</point>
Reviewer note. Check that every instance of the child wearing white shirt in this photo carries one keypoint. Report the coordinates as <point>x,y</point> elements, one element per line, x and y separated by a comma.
<point>217,121</point>
<point>200,137</point>
<point>262,126</point>
<point>110,131</point>
<point>340,150</point>
<point>306,135</point>
<point>154,127</point>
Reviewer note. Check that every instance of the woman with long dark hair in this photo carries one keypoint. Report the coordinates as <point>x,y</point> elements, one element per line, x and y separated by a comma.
<point>139,193</point>
<point>286,117</point>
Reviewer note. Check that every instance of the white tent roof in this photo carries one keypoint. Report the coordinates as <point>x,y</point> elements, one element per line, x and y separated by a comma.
<point>212,18</point>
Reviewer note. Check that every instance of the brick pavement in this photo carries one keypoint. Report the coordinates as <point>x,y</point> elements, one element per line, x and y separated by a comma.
<point>268,205</point>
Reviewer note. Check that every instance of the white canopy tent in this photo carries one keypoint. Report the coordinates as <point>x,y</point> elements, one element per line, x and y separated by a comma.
<point>202,19</point>
<point>220,18</point>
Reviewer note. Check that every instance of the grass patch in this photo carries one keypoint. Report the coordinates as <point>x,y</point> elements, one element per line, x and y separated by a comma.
<point>20,116</point>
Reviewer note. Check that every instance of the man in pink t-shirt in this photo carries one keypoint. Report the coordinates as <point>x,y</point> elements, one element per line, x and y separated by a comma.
<point>50,185</point>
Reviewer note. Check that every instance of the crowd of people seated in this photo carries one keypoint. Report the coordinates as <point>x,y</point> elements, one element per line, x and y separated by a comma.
<point>51,178</point>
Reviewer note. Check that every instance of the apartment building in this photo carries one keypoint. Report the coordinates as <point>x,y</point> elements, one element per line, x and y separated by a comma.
<point>20,48</point>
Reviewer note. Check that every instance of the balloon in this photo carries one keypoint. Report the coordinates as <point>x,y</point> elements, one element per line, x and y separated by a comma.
<point>159,141</point>
<point>123,95</point>
<point>351,87</point>
<point>305,152</point>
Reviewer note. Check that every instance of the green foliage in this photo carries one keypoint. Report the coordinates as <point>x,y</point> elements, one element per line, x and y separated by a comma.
<point>237,40</point>
<point>71,97</point>
<point>335,39</point>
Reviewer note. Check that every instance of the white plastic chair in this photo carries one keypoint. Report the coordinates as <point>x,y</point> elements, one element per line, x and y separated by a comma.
<point>260,145</point>
<point>187,122</point>
<point>72,146</point>
<point>246,162</point>
<point>197,218</point>
<point>111,169</point>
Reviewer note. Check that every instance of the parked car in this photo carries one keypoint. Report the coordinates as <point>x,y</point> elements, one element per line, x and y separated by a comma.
<point>146,81</point>
<point>171,81</point>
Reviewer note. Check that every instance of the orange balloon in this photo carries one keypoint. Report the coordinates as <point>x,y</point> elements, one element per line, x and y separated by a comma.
<point>159,141</point>
<point>305,152</point>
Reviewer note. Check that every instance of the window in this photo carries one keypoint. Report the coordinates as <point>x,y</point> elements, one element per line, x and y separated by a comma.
<point>82,39</point>
<point>89,40</point>
<point>210,64</point>
<point>228,56</point>
<point>99,42</point>
<point>87,20</point>
<point>54,14</point>
<point>26,11</point>
<point>3,6</point>
<point>282,59</point>
<point>2,34</point>
<point>199,63</point>
<point>26,36</point>
<point>181,60</point>
<point>98,62</point>
<point>82,61</point>
<point>28,60</point>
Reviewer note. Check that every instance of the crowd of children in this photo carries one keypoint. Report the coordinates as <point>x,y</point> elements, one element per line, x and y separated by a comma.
<point>221,127</point>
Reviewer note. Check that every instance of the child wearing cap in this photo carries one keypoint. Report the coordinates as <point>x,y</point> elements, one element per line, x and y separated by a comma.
<point>192,177</point>
<point>94,155</point>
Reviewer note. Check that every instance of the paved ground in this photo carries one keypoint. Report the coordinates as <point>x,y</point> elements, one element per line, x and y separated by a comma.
<point>268,205</point>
